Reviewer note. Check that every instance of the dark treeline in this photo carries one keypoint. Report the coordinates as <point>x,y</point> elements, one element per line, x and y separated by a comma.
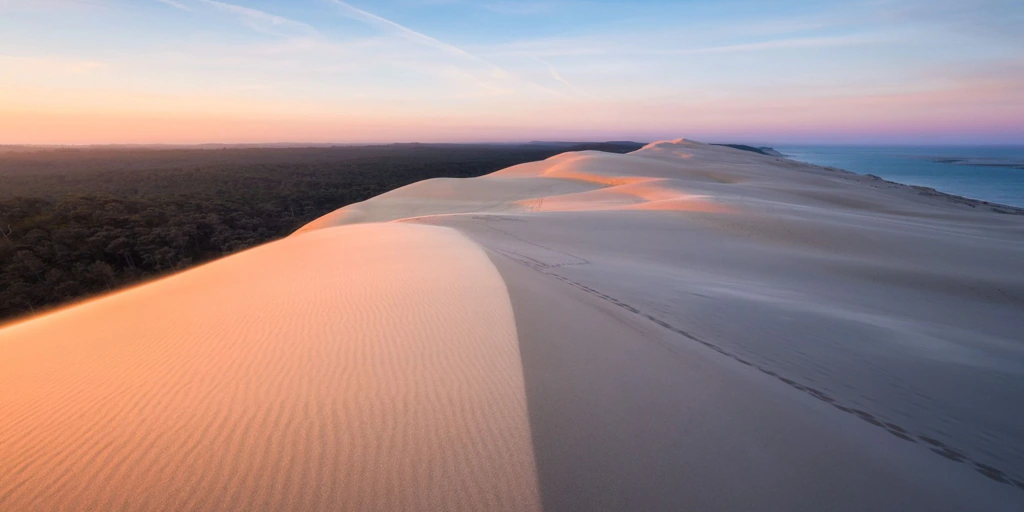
<point>76,222</point>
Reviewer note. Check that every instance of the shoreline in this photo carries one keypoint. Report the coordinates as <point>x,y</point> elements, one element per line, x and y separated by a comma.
<point>966,200</point>
<point>922,190</point>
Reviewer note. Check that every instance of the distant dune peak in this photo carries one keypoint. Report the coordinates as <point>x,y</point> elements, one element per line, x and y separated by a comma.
<point>668,143</point>
<point>573,181</point>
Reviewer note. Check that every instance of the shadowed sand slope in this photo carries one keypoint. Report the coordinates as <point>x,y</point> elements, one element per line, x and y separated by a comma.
<point>687,327</point>
<point>369,368</point>
<point>626,417</point>
<point>745,305</point>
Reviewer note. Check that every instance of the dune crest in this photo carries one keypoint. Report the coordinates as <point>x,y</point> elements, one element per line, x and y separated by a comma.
<point>309,374</point>
<point>582,181</point>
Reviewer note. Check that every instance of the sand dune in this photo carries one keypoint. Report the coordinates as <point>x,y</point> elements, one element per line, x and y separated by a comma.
<point>684,327</point>
<point>371,368</point>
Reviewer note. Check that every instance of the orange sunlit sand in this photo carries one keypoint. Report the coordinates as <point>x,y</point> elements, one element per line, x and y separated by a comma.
<point>683,327</point>
<point>272,381</point>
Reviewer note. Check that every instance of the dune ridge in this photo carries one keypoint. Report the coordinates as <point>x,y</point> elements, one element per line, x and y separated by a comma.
<point>892,306</point>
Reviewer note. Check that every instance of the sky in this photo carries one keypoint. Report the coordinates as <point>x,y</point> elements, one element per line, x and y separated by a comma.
<point>751,71</point>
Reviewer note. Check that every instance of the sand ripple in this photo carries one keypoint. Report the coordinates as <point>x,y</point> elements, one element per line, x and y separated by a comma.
<point>308,374</point>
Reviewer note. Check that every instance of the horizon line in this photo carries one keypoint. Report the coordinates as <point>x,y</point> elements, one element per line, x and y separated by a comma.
<point>308,144</point>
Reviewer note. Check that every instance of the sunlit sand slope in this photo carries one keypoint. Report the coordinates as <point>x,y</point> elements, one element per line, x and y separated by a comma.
<point>365,368</point>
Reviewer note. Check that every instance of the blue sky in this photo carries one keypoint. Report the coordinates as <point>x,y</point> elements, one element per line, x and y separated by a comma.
<point>860,71</point>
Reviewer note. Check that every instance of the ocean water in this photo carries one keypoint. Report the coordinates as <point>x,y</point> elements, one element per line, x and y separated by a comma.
<point>989,173</point>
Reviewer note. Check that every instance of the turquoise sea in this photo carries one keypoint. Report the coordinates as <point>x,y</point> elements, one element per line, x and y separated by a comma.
<point>989,173</point>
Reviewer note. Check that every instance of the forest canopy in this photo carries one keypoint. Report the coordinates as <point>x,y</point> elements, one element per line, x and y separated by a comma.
<point>75,222</point>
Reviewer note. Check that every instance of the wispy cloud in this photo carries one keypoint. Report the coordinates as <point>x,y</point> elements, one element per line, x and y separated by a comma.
<point>780,44</point>
<point>493,75</point>
<point>176,5</point>
<point>420,38</point>
<point>590,46</point>
<point>263,21</point>
<point>555,74</point>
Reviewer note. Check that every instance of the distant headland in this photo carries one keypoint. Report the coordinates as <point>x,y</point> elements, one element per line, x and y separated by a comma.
<point>764,150</point>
